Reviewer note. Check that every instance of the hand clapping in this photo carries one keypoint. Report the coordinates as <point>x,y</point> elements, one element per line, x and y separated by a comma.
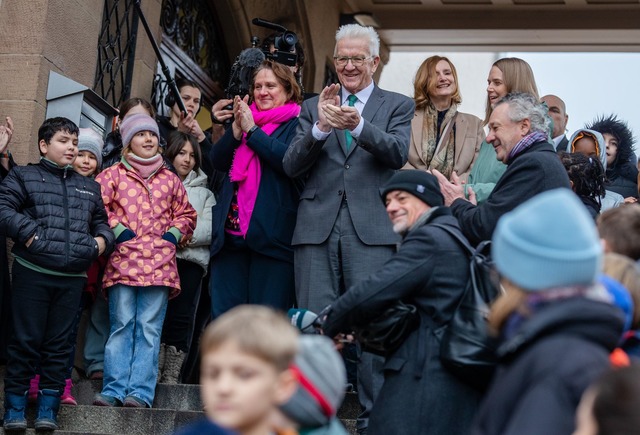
<point>243,118</point>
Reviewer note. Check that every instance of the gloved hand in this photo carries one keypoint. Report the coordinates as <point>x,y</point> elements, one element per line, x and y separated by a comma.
<point>169,237</point>
<point>127,234</point>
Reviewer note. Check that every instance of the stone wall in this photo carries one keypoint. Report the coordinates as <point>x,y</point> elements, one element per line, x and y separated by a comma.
<point>38,36</point>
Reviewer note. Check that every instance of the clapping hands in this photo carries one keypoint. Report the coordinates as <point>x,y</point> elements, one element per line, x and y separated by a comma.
<point>6,132</point>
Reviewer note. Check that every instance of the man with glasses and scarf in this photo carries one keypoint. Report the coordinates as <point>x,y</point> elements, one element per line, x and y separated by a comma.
<point>351,139</point>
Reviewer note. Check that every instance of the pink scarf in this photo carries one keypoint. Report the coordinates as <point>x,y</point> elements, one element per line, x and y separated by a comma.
<point>144,167</point>
<point>245,169</point>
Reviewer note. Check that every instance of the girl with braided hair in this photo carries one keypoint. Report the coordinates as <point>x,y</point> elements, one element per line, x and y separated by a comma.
<point>587,179</point>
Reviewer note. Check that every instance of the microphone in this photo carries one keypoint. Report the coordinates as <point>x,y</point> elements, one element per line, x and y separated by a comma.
<point>251,57</point>
<point>304,320</point>
<point>241,75</point>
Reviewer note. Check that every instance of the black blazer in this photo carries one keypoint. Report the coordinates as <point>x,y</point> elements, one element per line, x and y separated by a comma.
<point>536,170</point>
<point>274,215</point>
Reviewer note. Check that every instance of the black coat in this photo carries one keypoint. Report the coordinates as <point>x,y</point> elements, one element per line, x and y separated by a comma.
<point>430,270</point>
<point>5,289</point>
<point>63,209</point>
<point>536,170</point>
<point>274,214</point>
<point>623,179</point>
<point>546,366</point>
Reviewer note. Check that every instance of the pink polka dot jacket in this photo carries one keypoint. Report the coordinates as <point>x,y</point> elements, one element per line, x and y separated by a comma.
<point>150,208</point>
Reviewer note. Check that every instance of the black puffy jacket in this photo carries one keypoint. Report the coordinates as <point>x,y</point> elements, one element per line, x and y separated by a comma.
<point>63,209</point>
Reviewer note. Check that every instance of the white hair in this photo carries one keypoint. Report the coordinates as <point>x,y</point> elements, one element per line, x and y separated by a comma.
<point>357,31</point>
<point>525,106</point>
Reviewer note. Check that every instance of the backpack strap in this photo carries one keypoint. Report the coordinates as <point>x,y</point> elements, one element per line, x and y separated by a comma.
<point>456,234</point>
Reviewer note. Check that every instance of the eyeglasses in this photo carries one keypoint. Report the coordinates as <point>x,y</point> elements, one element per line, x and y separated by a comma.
<point>355,60</point>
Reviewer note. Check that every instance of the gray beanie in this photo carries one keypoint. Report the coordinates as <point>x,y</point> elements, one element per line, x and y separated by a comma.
<point>90,140</point>
<point>420,184</point>
<point>321,383</point>
<point>136,123</point>
<point>548,241</point>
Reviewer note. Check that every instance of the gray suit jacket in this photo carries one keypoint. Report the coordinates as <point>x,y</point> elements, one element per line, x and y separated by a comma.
<point>331,172</point>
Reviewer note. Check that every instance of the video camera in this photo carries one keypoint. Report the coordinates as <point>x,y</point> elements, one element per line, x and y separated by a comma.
<point>241,74</point>
<point>284,43</point>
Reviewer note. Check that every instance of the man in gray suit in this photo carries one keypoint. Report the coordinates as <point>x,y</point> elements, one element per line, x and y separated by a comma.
<point>351,139</point>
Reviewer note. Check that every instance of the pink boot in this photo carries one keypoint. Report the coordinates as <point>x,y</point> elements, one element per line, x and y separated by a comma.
<point>67,398</point>
<point>34,386</point>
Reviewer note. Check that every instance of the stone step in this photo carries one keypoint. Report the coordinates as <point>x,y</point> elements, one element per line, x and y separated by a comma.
<point>174,406</point>
<point>32,431</point>
<point>130,421</point>
<point>350,408</point>
<point>181,397</point>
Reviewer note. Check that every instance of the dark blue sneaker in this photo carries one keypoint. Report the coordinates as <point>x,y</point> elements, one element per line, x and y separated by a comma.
<point>134,402</point>
<point>104,400</point>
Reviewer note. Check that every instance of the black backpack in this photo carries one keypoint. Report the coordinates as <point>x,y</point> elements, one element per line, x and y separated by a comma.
<point>466,348</point>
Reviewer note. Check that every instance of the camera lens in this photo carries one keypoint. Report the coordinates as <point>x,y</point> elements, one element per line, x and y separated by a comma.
<point>286,42</point>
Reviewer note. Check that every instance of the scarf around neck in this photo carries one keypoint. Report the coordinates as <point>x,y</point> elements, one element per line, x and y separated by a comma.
<point>440,158</point>
<point>526,142</point>
<point>144,167</point>
<point>245,168</point>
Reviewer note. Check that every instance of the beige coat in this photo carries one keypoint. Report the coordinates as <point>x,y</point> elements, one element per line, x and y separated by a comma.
<point>469,137</point>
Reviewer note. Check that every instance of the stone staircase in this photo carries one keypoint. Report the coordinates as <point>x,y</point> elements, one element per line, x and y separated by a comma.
<point>174,406</point>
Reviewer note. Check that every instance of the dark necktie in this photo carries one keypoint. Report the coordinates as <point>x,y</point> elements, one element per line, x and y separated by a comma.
<point>347,134</point>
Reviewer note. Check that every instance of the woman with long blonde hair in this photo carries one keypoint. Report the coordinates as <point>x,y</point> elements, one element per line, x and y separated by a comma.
<point>507,75</point>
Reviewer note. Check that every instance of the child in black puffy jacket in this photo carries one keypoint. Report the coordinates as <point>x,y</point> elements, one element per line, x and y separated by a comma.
<point>58,222</point>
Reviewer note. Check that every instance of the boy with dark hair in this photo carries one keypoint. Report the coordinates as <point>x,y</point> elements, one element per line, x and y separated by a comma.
<point>58,222</point>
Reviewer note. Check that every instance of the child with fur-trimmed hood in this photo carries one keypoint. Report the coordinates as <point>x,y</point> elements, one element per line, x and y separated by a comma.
<point>621,171</point>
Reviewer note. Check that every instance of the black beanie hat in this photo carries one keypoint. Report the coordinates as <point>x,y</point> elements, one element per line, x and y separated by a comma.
<point>418,183</point>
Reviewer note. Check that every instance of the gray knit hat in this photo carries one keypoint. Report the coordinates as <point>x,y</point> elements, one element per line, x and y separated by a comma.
<point>548,241</point>
<point>90,140</point>
<point>420,184</point>
<point>321,382</point>
<point>136,123</point>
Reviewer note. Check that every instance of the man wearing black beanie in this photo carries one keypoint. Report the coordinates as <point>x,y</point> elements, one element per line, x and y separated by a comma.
<point>430,271</point>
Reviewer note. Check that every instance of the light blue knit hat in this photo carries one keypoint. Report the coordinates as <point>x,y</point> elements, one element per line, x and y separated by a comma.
<point>549,241</point>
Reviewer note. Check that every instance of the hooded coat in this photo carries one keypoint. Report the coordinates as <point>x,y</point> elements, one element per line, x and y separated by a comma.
<point>622,174</point>
<point>149,208</point>
<point>202,200</point>
<point>546,365</point>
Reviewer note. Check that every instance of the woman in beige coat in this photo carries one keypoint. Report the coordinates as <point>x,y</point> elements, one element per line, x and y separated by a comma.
<point>441,137</point>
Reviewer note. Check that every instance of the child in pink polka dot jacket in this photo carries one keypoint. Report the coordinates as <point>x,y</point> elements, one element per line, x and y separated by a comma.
<point>150,214</point>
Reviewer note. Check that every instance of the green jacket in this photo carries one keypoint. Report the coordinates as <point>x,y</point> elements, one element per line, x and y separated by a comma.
<point>486,171</point>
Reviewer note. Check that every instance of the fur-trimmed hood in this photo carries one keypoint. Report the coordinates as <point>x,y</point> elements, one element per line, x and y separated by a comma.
<point>621,131</point>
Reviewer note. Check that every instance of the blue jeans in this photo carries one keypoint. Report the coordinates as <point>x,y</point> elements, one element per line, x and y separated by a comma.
<point>136,315</point>
<point>97,335</point>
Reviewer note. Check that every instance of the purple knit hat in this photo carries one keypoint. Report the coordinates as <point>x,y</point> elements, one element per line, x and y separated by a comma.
<point>136,123</point>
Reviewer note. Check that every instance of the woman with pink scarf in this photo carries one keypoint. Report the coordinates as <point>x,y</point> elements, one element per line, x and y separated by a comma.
<point>254,218</point>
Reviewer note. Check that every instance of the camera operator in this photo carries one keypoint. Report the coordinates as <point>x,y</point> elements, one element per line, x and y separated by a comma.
<point>220,111</point>
<point>191,96</point>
